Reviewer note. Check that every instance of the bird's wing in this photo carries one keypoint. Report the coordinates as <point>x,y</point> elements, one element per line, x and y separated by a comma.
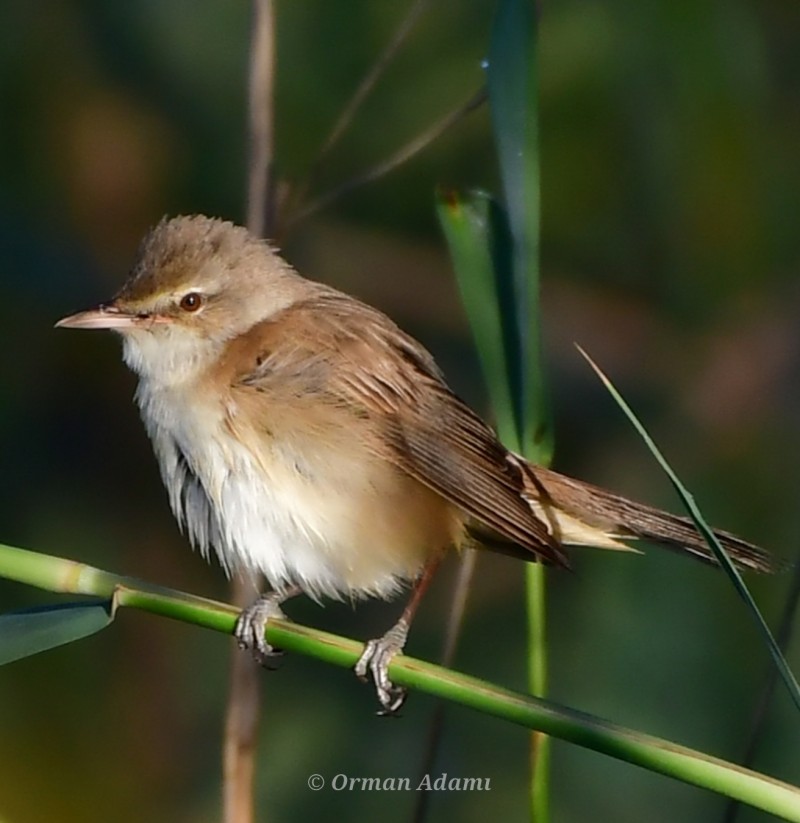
<point>355,357</point>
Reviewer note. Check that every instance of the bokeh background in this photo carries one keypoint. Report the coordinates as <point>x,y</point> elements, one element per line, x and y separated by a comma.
<point>671,251</point>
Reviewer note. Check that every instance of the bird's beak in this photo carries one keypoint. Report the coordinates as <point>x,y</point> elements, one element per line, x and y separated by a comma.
<point>104,316</point>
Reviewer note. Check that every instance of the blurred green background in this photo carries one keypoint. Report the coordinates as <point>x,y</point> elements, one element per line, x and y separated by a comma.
<point>671,196</point>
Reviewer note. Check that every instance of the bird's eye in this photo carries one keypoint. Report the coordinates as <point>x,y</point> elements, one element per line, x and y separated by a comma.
<point>191,302</point>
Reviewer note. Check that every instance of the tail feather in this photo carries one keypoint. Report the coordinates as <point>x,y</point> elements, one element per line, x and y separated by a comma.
<point>582,514</point>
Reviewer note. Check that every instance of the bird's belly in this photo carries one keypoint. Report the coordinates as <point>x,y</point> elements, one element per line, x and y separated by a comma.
<point>337,524</point>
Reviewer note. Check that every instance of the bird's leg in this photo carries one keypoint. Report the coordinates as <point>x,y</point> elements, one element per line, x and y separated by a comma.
<point>378,653</point>
<point>251,624</point>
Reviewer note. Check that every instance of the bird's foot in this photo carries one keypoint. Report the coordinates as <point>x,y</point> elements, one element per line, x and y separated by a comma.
<point>374,664</point>
<point>250,630</point>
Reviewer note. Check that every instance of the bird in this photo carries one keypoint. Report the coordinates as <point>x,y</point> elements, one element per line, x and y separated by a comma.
<point>303,436</point>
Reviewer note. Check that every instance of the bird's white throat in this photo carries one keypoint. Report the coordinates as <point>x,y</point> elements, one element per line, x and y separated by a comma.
<point>170,356</point>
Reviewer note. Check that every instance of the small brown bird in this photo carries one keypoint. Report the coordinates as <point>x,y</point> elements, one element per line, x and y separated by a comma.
<point>303,435</point>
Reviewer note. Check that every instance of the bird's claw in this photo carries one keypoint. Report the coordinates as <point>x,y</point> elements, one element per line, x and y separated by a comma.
<point>374,665</point>
<point>250,629</point>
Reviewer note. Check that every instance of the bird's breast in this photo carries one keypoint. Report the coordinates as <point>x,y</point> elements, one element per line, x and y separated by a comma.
<point>296,494</point>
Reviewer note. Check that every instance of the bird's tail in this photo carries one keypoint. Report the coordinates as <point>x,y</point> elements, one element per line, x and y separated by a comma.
<point>578,513</point>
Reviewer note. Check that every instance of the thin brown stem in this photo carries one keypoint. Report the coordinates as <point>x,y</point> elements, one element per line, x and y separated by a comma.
<point>402,155</point>
<point>261,92</point>
<point>241,732</point>
<point>455,623</point>
<point>369,82</point>
<point>364,89</point>
<point>244,703</point>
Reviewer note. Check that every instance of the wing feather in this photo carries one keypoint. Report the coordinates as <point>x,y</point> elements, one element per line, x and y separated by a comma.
<point>359,359</point>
